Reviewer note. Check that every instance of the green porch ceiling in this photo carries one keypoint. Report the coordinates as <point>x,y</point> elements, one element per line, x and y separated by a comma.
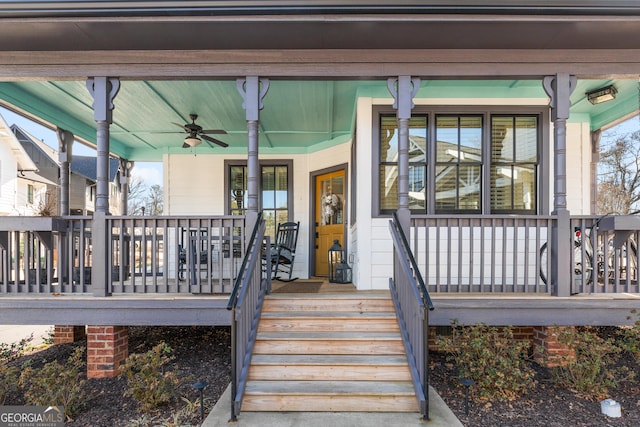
<point>298,117</point>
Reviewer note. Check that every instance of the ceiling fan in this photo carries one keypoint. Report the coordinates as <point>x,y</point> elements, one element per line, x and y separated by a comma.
<point>195,132</point>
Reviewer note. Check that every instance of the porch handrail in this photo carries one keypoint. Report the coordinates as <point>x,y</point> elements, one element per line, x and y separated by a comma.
<point>245,305</point>
<point>413,265</point>
<point>233,297</point>
<point>412,304</point>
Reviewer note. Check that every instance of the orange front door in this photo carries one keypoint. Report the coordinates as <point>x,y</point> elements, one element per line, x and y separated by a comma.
<point>329,216</point>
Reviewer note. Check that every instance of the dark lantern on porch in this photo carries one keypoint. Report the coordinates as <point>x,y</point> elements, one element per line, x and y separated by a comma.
<point>339,270</point>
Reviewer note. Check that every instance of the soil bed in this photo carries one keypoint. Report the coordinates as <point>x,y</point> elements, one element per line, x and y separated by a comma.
<point>203,353</point>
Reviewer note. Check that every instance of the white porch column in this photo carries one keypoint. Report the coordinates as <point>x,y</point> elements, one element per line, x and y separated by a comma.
<point>103,90</point>
<point>252,89</point>
<point>65,145</point>
<point>559,89</point>
<point>403,89</point>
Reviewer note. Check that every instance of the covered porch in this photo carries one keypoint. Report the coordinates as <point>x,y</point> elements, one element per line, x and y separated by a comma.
<point>312,104</point>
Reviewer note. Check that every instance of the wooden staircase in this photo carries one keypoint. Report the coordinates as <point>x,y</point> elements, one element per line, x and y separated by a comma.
<point>329,353</point>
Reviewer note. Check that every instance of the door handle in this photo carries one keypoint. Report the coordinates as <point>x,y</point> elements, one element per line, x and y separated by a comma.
<point>316,234</point>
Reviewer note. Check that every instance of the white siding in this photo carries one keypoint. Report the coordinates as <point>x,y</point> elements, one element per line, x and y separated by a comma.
<point>8,181</point>
<point>578,168</point>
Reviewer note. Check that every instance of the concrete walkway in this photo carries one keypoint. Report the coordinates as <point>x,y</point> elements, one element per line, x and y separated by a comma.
<point>10,334</point>
<point>440,416</point>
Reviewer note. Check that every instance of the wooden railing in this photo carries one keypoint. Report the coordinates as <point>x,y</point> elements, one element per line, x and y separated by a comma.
<point>483,254</point>
<point>105,255</point>
<point>605,255</point>
<point>120,255</point>
<point>412,304</point>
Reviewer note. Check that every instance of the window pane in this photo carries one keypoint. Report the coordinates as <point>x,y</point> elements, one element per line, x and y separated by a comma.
<point>268,178</point>
<point>446,177</point>
<point>388,187</point>
<point>501,187</point>
<point>447,138</point>
<point>469,179</point>
<point>502,139</point>
<point>418,139</point>
<point>524,178</point>
<point>388,139</point>
<point>238,180</point>
<point>526,139</point>
<point>471,139</point>
<point>458,187</point>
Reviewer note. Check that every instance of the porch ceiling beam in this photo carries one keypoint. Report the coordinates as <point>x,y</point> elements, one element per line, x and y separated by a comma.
<point>331,63</point>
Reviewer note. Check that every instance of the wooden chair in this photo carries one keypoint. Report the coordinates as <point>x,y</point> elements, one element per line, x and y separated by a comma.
<point>283,250</point>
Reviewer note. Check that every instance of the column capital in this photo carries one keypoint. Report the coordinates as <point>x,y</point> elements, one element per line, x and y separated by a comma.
<point>252,89</point>
<point>103,90</point>
<point>559,88</point>
<point>403,89</point>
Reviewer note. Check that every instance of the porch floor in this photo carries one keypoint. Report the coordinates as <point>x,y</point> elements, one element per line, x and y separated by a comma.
<point>174,309</point>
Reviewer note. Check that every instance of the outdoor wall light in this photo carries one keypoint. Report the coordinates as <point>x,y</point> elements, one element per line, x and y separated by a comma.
<point>601,95</point>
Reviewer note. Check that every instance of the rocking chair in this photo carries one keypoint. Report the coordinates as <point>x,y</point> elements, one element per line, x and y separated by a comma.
<point>283,251</point>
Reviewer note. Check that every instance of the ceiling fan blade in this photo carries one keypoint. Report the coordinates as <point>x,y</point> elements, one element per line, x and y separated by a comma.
<point>215,141</point>
<point>182,126</point>
<point>185,145</point>
<point>214,131</point>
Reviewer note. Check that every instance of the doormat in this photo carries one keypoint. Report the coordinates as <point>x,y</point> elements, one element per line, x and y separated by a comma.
<point>295,287</point>
<point>310,287</point>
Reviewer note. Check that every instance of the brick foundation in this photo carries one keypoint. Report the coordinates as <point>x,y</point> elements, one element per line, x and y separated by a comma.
<point>107,348</point>
<point>547,350</point>
<point>520,333</point>
<point>63,334</point>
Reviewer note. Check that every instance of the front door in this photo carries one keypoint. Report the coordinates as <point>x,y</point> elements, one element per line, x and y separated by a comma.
<point>329,216</point>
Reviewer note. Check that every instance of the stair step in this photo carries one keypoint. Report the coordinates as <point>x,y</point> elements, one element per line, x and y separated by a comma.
<point>372,396</point>
<point>322,321</point>
<point>329,343</point>
<point>349,302</point>
<point>319,352</point>
<point>329,367</point>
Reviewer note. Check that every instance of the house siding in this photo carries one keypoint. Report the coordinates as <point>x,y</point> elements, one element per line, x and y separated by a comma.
<point>8,178</point>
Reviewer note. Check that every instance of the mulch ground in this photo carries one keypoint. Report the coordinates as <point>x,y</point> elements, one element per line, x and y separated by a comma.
<point>203,353</point>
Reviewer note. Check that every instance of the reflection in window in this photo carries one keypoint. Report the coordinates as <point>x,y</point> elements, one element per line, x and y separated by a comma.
<point>474,159</point>
<point>332,201</point>
<point>389,163</point>
<point>514,162</point>
<point>458,174</point>
<point>274,200</point>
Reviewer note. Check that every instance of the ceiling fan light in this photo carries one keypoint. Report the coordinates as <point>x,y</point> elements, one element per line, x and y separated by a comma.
<point>192,141</point>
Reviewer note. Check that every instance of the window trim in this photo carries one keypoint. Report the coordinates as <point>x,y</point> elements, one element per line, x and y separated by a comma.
<point>544,164</point>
